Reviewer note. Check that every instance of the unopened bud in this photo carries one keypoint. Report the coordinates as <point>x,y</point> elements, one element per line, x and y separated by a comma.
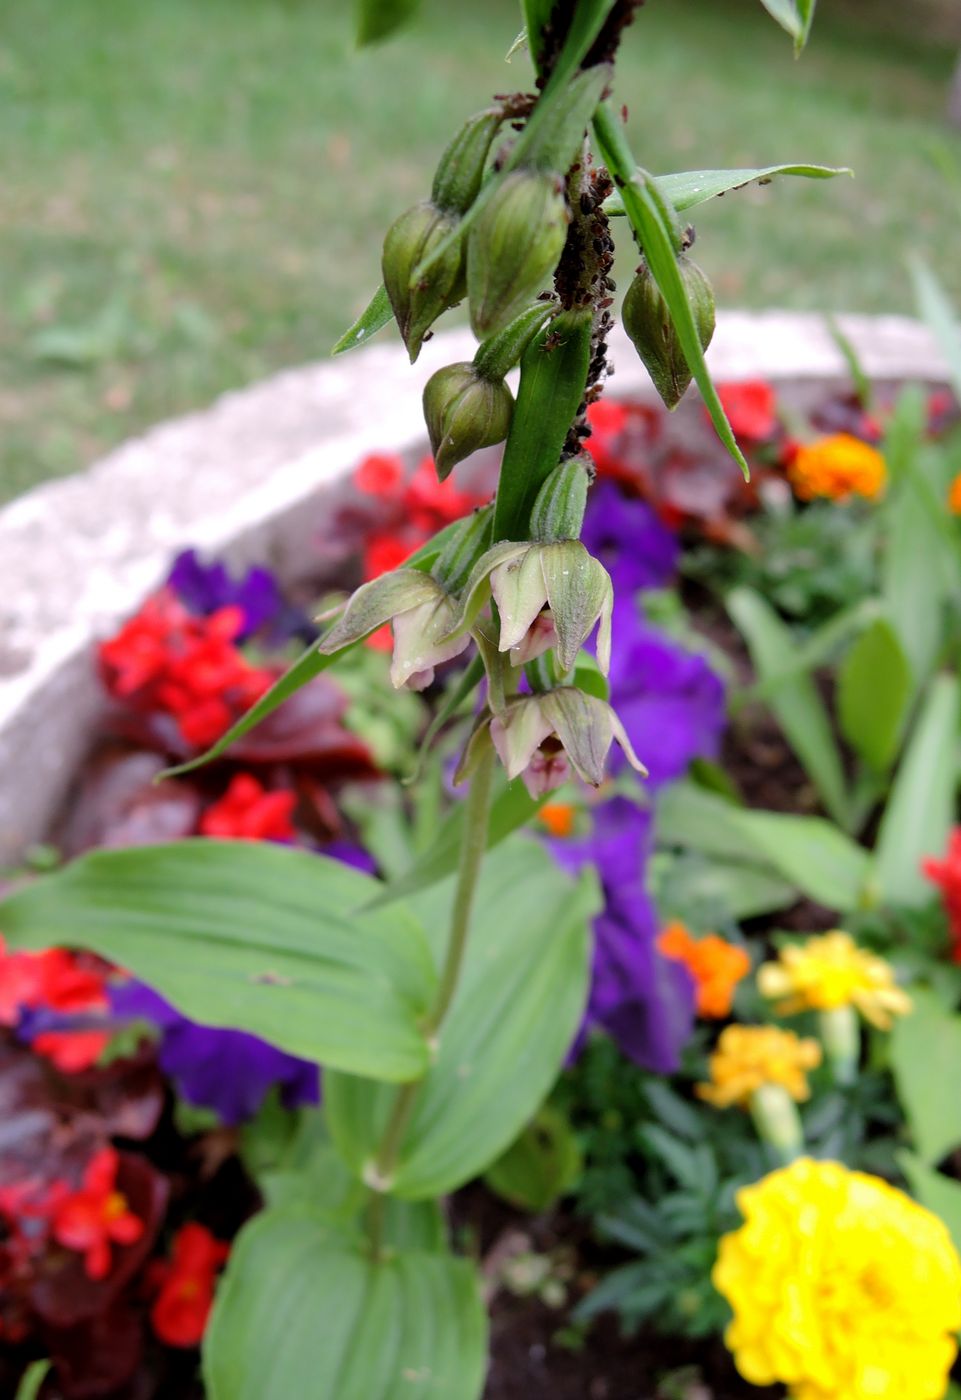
<point>461,167</point>
<point>648,322</point>
<point>411,239</point>
<point>464,412</point>
<point>513,247</point>
<point>558,512</point>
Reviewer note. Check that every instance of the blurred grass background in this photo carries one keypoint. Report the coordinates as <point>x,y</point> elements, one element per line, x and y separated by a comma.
<point>195,191</point>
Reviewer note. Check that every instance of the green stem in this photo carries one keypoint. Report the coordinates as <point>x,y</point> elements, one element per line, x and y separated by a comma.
<point>471,857</point>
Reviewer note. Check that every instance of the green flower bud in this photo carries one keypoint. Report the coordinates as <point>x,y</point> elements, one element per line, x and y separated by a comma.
<point>558,512</point>
<point>409,240</point>
<point>648,322</point>
<point>513,247</point>
<point>461,168</point>
<point>464,412</point>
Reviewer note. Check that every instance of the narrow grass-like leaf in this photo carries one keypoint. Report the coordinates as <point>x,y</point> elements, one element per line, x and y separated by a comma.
<point>375,316</point>
<point>940,316</point>
<point>797,706</point>
<point>251,936</point>
<point>920,809</point>
<point>644,209</point>
<point>687,188</point>
<point>32,1379</point>
<point>305,1313</point>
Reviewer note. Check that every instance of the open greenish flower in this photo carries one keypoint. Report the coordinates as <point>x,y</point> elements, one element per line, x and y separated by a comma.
<point>524,579</point>
<point>540,738</point>
<point>421,613</point>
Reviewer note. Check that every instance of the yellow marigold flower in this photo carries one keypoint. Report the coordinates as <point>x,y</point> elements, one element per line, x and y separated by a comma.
<point>829,970</point>
<point>954,496</point>
<point>838,467</point>
<point>842,1287</point>
<point>748,1057</point>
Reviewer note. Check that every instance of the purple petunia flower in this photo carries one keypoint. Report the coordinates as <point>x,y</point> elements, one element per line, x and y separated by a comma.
<point>228,1071</point>
<point>203,588</point>
<point>669,700</point>
<point>634,546</point>
<point>643,1000</point>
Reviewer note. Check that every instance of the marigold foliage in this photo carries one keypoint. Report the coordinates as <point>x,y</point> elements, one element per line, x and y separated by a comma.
<point>837,467</point>
<point>829,970</point>
<point>748,1057</point>
<point>842,1287</point>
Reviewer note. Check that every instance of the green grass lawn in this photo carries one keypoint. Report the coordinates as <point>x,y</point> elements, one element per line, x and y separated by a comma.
<point>195,191</point>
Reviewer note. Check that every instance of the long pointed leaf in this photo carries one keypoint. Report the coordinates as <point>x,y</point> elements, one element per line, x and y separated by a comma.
<point>377,314</point>
<point>654,233</point>
<point>940,316</point>
<point>688,188</point>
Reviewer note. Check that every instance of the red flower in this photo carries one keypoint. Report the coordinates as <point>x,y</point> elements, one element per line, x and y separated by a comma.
<point>751,407</point>
<point>384,552</point>
<point>430,503</point>
<point>71,1051</point>
<point>946,874</point>
<point>166,658</point>
<point>608,421</point>
<point>186,1282</point>
<point>248,812</point>
<point>54,980</point>
<point>379,475</point>
<point>90,1219</point>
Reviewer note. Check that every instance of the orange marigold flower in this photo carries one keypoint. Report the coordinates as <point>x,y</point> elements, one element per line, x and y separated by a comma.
<point>837,467</point>
<point>716,966</point>
<point>954,496</point>
<point>558,817</point>
<point>748,1057</point>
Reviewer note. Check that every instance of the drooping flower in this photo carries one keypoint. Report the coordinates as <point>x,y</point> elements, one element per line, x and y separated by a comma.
<point>751,408</point>
<point>96,1216</point>
<point>945,872</point>
<point>747,1058</point>
<point>829,971</point>
<point>625,535</point>
<point>186,1286</point>
<point>841,1286</point>
<point>249,812</point>
<point>228,1071</point>
<point>837,467</point>
<point>716,966</point>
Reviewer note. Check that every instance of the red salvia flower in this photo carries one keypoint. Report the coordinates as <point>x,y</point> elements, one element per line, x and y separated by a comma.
<point>249,812</point>
<point>186,1286</point>
<point>91,1219</point>
<point>751,408</point>
<point>946,874</point>
<point>608,420</point>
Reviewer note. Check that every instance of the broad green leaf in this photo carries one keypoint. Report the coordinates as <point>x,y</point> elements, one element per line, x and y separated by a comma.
<point>540,1165</point>
<point>940,316</point>
<point>920,809</point>
<point>939,1194</point>
<point>248,935</point>
<point>511,808</point>
<point>797,707</point>
<point>517,1008</point>
<point>796,16</point>
<point>688,188</point>
<point>874,691</point>
<point>304,1313</point>
<point>743,891</point>
<point>815,651</point>
<point>378,19</point>
<point>32,1379</point>
<point>373,318</point>
<point>650,220</point>
<point>812,854</point>
<point>925,1051</point>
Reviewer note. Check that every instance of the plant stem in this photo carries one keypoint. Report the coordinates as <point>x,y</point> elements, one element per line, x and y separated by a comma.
<point>471,857</point>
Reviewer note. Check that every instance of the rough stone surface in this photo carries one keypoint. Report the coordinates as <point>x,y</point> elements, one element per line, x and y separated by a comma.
<point>248,478</point>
